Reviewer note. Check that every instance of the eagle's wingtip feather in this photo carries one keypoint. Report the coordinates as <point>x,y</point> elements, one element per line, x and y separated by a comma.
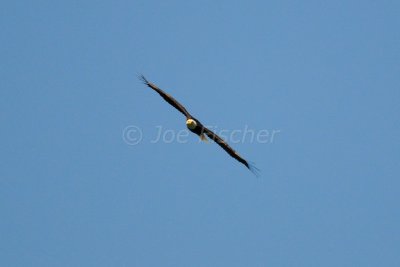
<point>256,171</point>
<point>143,79</point>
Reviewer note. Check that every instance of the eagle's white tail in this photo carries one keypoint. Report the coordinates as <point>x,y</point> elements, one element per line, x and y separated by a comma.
<point>203,138</point>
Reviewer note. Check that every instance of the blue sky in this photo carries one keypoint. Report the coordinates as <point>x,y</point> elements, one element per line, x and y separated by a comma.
<point>324,74</point>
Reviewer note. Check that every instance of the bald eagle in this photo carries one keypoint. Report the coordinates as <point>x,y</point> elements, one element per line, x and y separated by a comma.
<point>195,126</point>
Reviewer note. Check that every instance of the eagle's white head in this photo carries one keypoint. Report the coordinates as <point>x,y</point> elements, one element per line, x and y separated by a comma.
<point>191,124</point>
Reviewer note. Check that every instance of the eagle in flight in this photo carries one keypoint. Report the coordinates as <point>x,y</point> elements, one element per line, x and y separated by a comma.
<point>195,126</point>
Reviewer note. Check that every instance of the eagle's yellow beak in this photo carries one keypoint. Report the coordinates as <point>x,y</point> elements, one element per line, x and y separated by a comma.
<point>191,124</point>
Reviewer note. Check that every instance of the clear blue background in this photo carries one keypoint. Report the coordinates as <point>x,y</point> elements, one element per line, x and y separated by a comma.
<point>324,73</point>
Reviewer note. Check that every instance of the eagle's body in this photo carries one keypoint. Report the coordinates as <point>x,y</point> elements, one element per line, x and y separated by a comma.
<point>196,127</point>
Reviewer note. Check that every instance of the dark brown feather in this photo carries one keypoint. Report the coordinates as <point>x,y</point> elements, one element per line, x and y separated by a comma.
<point>172,101</point>
<point>225,146</point>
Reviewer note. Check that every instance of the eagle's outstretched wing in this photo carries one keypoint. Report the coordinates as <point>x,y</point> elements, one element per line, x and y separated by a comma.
<point>166,96</point>
<point>230,150</point>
